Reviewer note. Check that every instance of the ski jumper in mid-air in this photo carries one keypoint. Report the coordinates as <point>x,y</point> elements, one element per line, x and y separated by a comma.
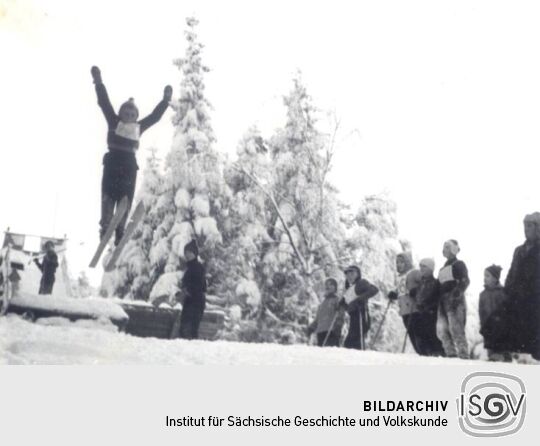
<point>119,163</point>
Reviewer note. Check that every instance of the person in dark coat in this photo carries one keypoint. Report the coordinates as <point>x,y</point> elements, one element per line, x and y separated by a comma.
<point>357,293</point>
<point>427,303</point>
<point>193,288</point>
<point>119,163</point>
<point>523,289</point>
<point>494,322</point>
<point>328,321</point>
<point>48,269</point>
<point>452,317</point>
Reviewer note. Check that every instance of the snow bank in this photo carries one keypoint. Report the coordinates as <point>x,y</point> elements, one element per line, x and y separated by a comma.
<point>94,307</point>
<point>22,342</point>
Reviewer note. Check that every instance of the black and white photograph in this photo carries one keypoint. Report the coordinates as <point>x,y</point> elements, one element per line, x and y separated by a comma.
<point>286,183</point>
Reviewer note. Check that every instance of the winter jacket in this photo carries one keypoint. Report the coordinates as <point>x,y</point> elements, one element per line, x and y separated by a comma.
<point>523,289</point>
<point>495,324</point>
<point>453,278</point>
<point>124,137</point>
<point>194,281</point>
<point>427,296</point>
<point>406,290</point>
<point>48,266</point>
<point>356,296</point>
<point>328,309</point>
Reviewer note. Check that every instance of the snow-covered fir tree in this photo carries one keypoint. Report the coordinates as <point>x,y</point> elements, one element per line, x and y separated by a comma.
<point>195,195</point>
<point>302,227</point>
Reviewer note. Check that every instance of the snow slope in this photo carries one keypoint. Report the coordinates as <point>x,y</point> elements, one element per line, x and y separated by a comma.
<point>58,341</point>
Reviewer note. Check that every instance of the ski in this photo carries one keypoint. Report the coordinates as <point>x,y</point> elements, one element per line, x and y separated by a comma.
<point>117,218</point>
<point>134,221</point>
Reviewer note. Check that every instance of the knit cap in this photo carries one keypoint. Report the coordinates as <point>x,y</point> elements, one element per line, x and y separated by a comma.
<point>454,246</point>
<point>428,263</point>
<point>129,103</point>
<point>495,271</point>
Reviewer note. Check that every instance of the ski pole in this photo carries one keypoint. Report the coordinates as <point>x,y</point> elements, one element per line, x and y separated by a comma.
<point>376,337</point>
<point>361,318</point>
<point>330,329</point>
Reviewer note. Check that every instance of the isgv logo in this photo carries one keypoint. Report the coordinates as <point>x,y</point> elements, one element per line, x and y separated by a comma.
<point>491,404</point>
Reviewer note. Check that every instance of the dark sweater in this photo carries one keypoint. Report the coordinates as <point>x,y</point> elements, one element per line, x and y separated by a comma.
<point>48,265</point>
<point>116,142</point>
<point>194,280</point>
<point>457,280</point>
<point>427,296</point>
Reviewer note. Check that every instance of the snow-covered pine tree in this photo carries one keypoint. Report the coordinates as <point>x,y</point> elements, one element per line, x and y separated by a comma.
<point>246,233</point>
<point>195,194</point>
<point>302,221</point>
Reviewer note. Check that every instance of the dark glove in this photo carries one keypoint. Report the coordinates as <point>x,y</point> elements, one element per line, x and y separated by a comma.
<point>413,292</point>
<point>167,93</point>
<point>342,305</point>
<point>96,75</point>
<point>456,293</point>
<point>392,295</point>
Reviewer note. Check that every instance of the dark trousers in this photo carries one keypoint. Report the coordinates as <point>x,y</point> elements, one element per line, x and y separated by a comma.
<point>411,325</point>
<point>353,339</point>
<point>46,285</point>
<point>118,181</point>
<point>426,334</point>
<point>190,319</point>
<point>332,341</point>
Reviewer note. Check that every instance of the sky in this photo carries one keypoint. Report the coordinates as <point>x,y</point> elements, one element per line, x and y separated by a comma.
<point>439,105</point>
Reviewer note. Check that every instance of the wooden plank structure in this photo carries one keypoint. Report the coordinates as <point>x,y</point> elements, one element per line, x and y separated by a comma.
<point>34,313</point>
<point>163,323</point>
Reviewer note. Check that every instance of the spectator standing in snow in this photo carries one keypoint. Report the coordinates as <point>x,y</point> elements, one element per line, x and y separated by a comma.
<point>48,268</point>
<point>328,321</point>
<point>119,163</point>
<point>454,281</point>
<point>407,287</point>
<point>193,288</point>
<point>427,303</point>
<point>494,321</point>
<point>523,289</point>
<point>357,293</point>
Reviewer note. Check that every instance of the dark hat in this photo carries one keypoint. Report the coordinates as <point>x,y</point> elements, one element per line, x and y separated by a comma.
<point>495,271</point>
<point>353,268</point>
<point>192,247</point>
<point>332,281</point>
<point>130,103</point>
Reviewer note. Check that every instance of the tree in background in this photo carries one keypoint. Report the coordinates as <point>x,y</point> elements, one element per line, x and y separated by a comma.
<point>194,198</point>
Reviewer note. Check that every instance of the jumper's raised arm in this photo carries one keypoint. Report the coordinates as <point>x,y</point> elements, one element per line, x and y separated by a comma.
<point>103,98</point>
<point>158,111</point>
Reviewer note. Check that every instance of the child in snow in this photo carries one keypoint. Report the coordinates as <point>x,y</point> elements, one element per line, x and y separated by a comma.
<point>193,288</point>
<point>357,293</point>
<point>407,287</point>
<point>493,310</point>
<point>48,268</point>
<point>452,317</point>
<point>329,319</point>
<point>427,303</point>
<point>119,163</point>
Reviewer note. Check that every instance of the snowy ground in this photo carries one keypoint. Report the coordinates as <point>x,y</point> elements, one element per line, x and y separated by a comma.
<point>58,341</point>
